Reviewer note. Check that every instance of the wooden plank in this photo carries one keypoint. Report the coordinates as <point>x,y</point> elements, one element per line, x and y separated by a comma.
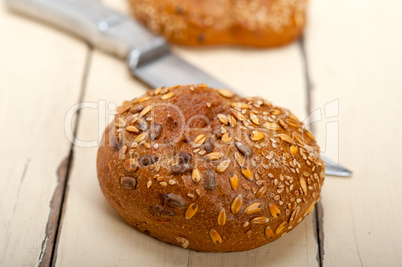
<point>355,57</point>
<point>40,78</point>
<point>92,232</point>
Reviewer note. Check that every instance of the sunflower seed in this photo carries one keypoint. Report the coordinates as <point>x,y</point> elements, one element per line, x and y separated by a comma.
<point>253,208</point>
<point>136,109</point>
<point>244,149</point>
<point>275,212</point>
<point>180,168</point>
<point>209,180</point>
<point>209,144</point>
<point>142,124</point>
<point>191,210</point>
<point>225,93</point>
<point>216,237</point>
<point>236,204</point>
<point>222,217</point>
<point>184,157</point>
<point>174,200</point>
<point>149,183</point>
<point>223,118</point>
<point>234,181</point>
<point>259,220</point>
<point>128,182</point>
<point>196,176</point>
<point>116,142</point>
<point>223,165</point>
<point>147,160</point>
<point>156,130</point>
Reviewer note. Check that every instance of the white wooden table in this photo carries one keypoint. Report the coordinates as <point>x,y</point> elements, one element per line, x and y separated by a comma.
<point>52,211</point>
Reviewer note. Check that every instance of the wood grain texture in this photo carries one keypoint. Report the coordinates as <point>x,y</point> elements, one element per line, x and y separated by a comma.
<point>93,234</point>
<point>40,78</point>
<point>355,57</point>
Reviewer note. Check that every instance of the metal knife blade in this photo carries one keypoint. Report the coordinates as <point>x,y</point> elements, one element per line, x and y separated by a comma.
<point>332,168</point>
<point>148,55</point>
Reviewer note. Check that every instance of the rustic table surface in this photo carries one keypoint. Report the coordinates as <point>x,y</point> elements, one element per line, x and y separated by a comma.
<point>346,73</point>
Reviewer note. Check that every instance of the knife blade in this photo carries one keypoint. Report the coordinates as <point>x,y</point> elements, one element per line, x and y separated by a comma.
<point>148,55</point>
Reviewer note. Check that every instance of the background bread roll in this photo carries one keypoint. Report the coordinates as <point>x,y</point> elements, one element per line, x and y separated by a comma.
<point>208,170</point>
<point>207,22</point>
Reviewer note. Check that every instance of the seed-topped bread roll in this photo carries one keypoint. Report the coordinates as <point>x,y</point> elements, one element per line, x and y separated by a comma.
<point>208,170</point>
<point>206,22</point>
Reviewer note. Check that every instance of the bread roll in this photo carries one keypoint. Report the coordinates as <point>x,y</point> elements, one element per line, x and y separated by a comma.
<point>207,170</point>
<point>260,23</point>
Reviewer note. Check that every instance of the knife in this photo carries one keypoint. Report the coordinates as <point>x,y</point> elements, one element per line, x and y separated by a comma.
<point>148,55</point>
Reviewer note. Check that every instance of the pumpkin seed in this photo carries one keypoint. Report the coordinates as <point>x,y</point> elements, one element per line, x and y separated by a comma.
<point>174,200</point>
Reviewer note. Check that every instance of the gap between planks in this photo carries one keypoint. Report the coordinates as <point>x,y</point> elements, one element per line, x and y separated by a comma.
<point>48,252</point>
<point>319,210</point>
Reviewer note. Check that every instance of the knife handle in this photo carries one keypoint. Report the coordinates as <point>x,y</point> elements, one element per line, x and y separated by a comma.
<point>100,26</point>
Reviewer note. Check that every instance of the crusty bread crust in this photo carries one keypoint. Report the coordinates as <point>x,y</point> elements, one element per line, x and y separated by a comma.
<point>261,23</point>
<point>208,170</point>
